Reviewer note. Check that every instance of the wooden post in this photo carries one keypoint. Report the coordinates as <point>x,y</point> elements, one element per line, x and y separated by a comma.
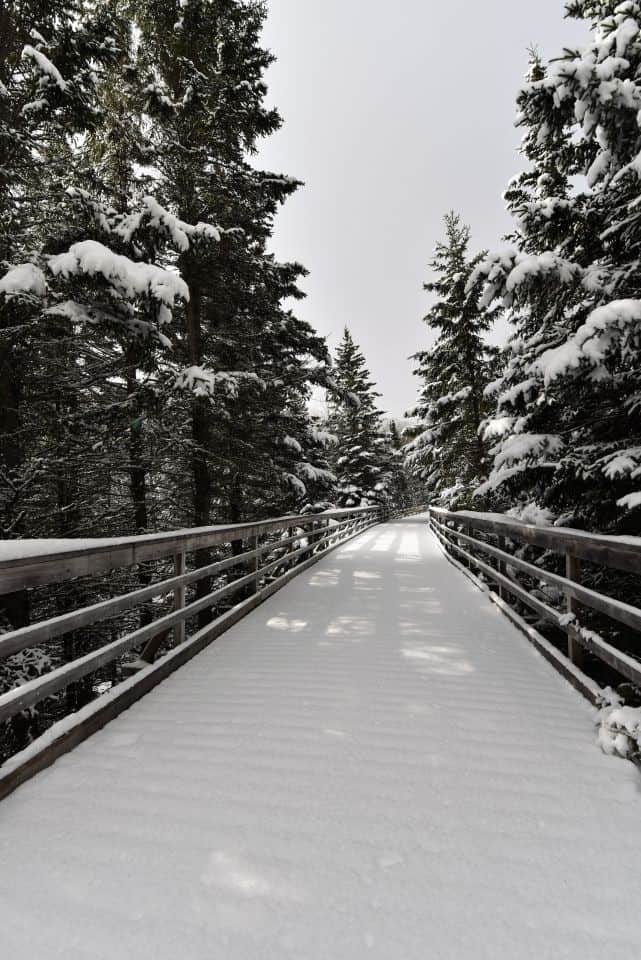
<point>154,644</point>
<point>501,567</point>
<point>179,597</point>
<point>292,546</point>
<point>463,529</point>
<point>312,538</point>
<point>254,565</point>
<point>573,572</point>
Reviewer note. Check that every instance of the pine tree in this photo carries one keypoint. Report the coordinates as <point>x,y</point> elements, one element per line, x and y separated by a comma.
<point>66,299</point>
<point>362,454</point>
<point>567,439</point>
<point>241,358</point>
<point>447,453</point>
<point>151,372</point>
<point>404,492</point>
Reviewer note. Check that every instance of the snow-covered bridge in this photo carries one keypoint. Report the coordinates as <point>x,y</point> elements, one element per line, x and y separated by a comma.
<point>372,763</point>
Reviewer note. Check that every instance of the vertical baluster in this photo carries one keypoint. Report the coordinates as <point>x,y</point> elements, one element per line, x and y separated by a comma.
<point>292,546</point>
<point>254,565</point>
<point>501,567</point>
<point>179,597</point>
<point>573,572</point>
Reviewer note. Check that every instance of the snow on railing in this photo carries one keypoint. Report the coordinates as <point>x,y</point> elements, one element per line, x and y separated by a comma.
<point>252,561</point>
<point>461,534</point>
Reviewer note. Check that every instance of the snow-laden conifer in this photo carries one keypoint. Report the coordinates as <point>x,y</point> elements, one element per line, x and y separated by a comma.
<point>447,454</point>
<point>362,456</point>
<point>565,431</point>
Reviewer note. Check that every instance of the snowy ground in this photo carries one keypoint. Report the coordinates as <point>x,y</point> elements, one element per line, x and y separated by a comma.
<point>373,764</point>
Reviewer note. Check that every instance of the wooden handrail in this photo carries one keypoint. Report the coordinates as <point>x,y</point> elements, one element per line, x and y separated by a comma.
<point>455,532</point>
<point>620,553</point>
<point>272,552</point>
<point>35,565</point>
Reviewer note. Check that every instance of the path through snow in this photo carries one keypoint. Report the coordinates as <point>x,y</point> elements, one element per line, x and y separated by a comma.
<point>374,764</point>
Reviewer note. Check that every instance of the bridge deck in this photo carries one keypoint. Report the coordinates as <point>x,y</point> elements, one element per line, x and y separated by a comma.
<point>372,764</point>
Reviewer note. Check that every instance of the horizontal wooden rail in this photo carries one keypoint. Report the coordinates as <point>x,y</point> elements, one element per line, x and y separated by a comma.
<point>615,609</point>
<point>261,558</point>
<point>36,563</point>
<point>544,610</point>
<point>456,531</point>
<point>620,553</point>
<point>25,637</point>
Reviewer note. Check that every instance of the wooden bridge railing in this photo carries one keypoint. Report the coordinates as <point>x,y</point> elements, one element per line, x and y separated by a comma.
<point>257,559</point>
<point>464,534</point>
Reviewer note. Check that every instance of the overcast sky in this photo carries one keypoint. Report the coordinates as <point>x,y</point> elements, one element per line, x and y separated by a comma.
<point>394,114</point>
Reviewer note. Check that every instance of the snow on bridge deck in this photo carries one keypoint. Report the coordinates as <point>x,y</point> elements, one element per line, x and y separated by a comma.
<point>375,763</point>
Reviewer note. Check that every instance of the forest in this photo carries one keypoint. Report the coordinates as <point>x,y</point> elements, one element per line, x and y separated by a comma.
<point>154,374</point>
<point>289,671</point>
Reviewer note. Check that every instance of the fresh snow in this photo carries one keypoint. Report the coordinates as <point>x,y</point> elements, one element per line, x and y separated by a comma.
<point>593,339</point>
<point>23,278</point>
<point>13,550</point>
<point>155,216</point>
<point>631,502</point>
<point>374,763</point>
<point>497,427</point>
<point>127,277</point>
<point>532,513</point>
<point>322,437</point>
<point>620,730</point>
<point>525,446</point>
<point>45,66</point>
<point>197,380</point>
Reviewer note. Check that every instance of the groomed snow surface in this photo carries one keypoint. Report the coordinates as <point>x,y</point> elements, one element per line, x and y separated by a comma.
<point>372,764</point>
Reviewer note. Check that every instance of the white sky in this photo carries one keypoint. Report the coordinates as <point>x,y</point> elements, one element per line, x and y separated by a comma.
<point>394,114</point>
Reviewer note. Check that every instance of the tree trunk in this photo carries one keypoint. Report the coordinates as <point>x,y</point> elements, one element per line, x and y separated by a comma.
<point>15,605</point>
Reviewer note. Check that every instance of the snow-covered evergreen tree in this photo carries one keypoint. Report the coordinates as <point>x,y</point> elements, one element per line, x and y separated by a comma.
<point>242,360</point>
<point>151,374</point>
<point>448,454</point>
<point>362,455</point>
<point>402,490</point>
<point>69,301</point>
<point>566,427</point>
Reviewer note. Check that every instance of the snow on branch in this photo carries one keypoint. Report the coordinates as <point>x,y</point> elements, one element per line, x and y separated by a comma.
<point>322,437</point>
<point>619,727</point>
<point>196,380</point>
<point>603,330</point>
<point>623,463</point>
<point>313,474</point>
<point>151,216</point>
<point>498,478</point>
<point>94,314</point>
<point>296,484</point>
<point>202,382</point>
<point>516,391</point>
<point>506,271</point>
<point>497,427</point>
<point>48,70</point>
<point>631,502</point>
<point>292,444</point>
<point>25,278</point>
<point>158,218</point>
<point>527,447</point>
<point>126,277</point>
<point>516,454</point>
